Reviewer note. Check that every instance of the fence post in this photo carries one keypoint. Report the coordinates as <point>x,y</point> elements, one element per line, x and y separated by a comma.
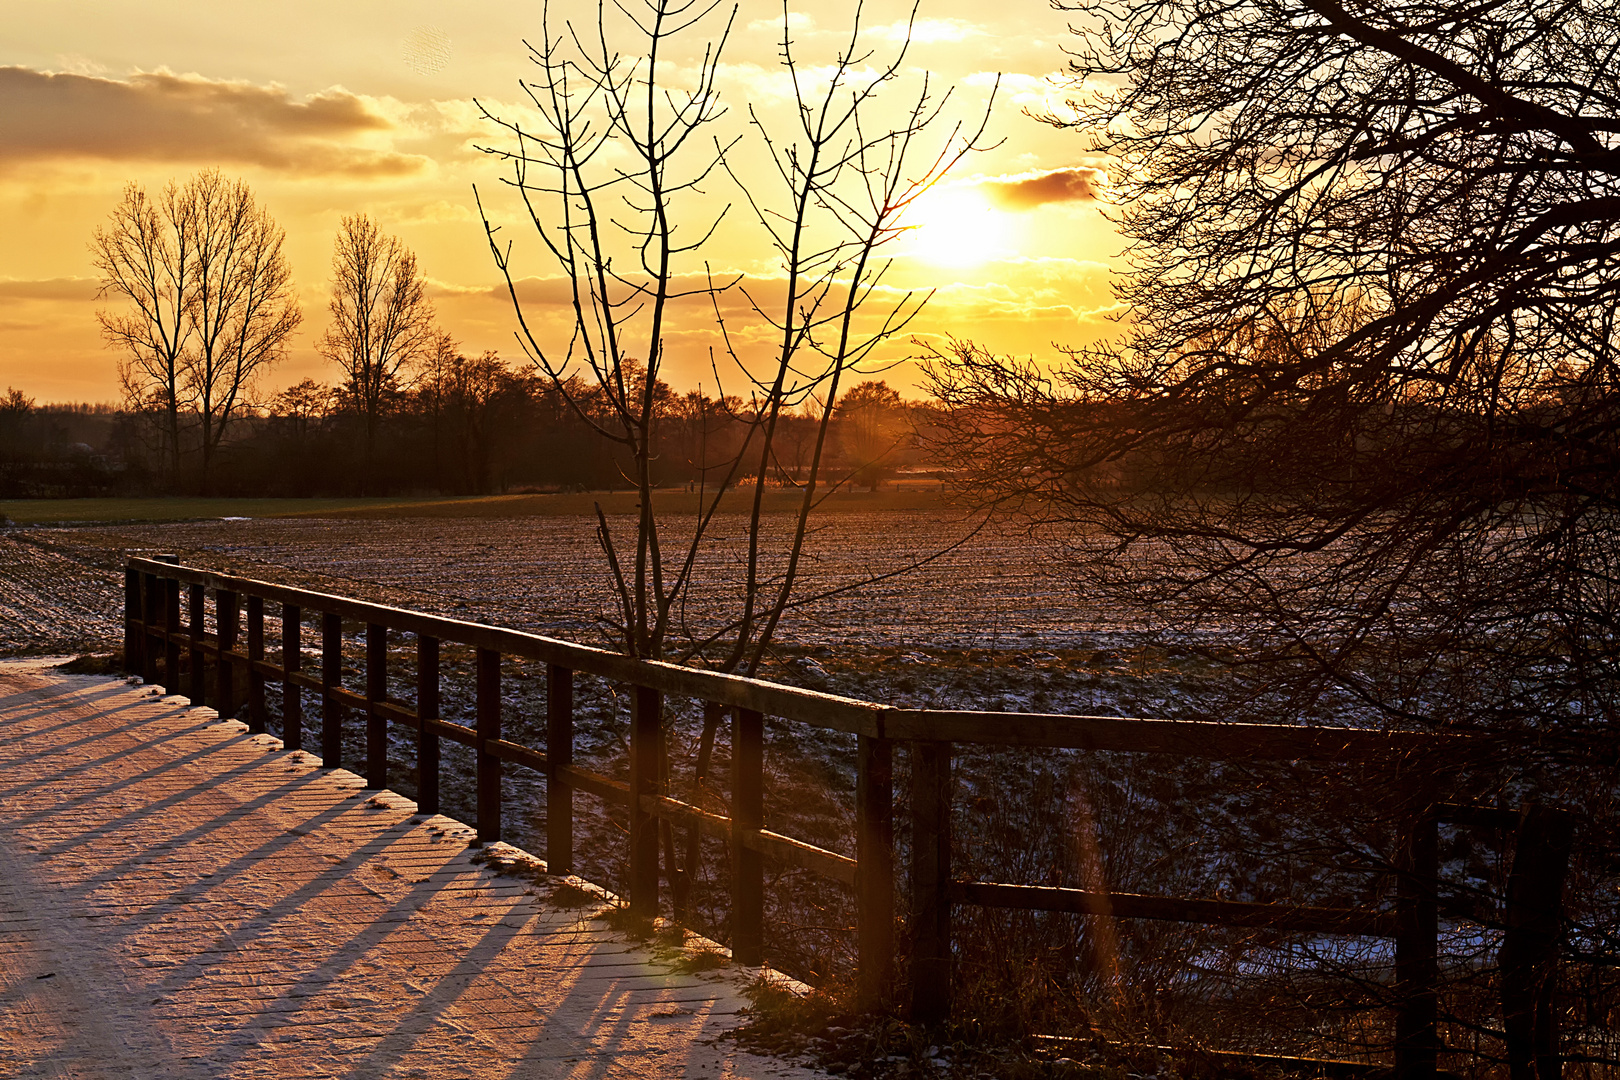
<point>747,815</point>
<point>226,617</point>
<point>874,870</point>
<point>376,690</point>
<point>1529,958</point>
<point>292,659</point>
<point>646,729</point>
<point>427,709</point>
<point>930,882</point>
<point>331,675</point>
<point>171,640</point>
<point>1417,928</point>
<point>559,755</point>
<point>489,727</point>
<point>149,626</point>
<point>196,607</point>
<point>132,621</point>
<point>255,649</point>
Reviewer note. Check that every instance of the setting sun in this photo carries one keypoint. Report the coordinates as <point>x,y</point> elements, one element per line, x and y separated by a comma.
<point>957,227</point>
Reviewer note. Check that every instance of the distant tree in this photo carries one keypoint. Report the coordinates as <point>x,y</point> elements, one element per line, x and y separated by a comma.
<point>18,439</point>
<point>213,304</point>
<point>382,321</point>
<point>872,429</point>
<point>304,404</point>
<point>464,398</point>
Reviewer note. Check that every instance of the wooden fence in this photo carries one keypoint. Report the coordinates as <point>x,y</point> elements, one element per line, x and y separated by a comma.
<point>156,635</point>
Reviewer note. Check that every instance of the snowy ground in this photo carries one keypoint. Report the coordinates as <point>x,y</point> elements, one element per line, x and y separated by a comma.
<point>179,901</point>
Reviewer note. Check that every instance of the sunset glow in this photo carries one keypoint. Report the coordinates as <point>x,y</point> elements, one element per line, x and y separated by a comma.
<point>328,110</point>
<point>959,228</point>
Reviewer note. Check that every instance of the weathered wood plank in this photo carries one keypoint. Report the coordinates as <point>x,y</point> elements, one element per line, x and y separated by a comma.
<point>427,711</point>
<point>559,757</point>
<point>227,616</point>
<point>748,817</point>
<point>874,880</point>
<point>292,705</point>
<point>824,710</point>
<point>930,914</point>
<point>257,713</point>
<point>332,707</point>
<point>376,692</point>
<point>646,738</point>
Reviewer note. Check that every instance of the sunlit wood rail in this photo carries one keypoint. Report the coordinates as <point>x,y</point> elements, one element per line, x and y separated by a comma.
<point>156,635</point>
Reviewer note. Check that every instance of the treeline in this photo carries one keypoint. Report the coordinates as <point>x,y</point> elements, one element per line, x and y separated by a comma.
<point>461,426</point>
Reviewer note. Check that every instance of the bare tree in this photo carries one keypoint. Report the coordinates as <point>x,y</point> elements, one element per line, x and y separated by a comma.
<point>213,304</point>
<point>611,183</point>
<point>382,320</point>
<point>1361,441</point>
<point>243,308</point>
<point>144,254</point>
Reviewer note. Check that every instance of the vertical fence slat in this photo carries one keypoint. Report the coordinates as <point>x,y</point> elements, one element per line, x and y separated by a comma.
<point>257,715</point>
<point>427,708</point>
<point>132,621</point>
<point>559,754</point>
<point>646,733</point>
<point>1417,968</point>
<point>1529,957</point>
<point>151,624</point>
<point>747,815</point>
<point>227,614</point>
<point>376,690</point>
<point>489,727</point>
<point>197,608</point>
<point>292,659</point>
<point>331,675</point>
<point>874,871</point>
<point>171,639</point>
<point>930,881</point>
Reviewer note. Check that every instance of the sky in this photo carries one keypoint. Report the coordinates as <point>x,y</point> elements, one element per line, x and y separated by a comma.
<point>328,109</point>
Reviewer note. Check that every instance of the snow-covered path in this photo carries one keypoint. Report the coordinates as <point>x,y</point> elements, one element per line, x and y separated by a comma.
<point>181,899</point>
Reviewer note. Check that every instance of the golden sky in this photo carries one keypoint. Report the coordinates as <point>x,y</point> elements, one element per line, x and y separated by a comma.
<point>337,107</point>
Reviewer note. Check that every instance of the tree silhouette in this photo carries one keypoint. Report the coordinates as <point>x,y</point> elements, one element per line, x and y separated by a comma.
<point>213,304</point>
<point>382,320</point>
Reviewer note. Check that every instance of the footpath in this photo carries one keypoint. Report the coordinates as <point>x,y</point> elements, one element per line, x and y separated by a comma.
<point>180,899</point>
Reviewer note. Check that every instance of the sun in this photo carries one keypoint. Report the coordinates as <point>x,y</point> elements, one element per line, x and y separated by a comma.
<point>957,227</point>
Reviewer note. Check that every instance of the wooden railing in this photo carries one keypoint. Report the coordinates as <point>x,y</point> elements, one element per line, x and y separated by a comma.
<point>155,636</point>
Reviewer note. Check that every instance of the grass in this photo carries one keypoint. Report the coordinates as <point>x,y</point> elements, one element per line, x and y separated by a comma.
<point>821,1028</point>
<point>562,504</point>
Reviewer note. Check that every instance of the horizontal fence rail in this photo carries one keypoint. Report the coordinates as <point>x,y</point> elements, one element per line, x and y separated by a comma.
<point>156,636</point>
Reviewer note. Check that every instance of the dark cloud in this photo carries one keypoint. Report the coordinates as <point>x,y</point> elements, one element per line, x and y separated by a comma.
<point>1029,190</point>
<point>165,117</point>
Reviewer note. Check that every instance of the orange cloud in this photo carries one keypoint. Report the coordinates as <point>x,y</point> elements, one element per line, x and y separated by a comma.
<point>61,288</point>
<point>1026,191</point>
<point>160,116</point>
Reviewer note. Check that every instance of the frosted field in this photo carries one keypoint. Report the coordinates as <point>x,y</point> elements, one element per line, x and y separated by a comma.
<point>547,574</point>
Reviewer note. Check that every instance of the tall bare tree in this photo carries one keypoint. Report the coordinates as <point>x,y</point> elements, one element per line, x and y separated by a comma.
<point>382,320</point>
<point>243,308</point>
<point>213,304</point>
<point>145,255</point>
<point>612,183</point>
